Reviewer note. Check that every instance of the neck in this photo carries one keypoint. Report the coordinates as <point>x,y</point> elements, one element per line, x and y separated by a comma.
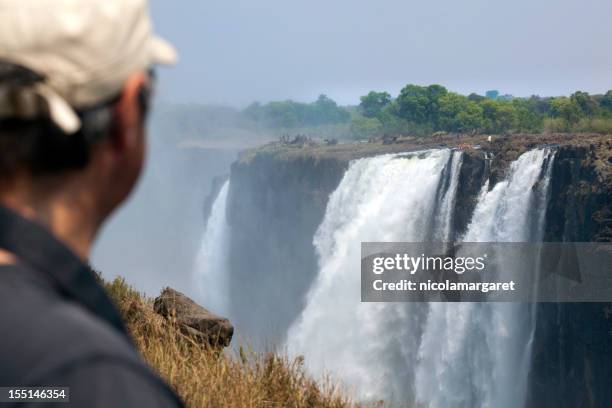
<point>63,207</point>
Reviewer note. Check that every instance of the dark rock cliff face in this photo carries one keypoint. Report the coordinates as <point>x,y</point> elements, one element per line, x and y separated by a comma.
<point>475,168</point>
<point>278,198</point>
<point>580,209</point>
<point>274,209</point>
<point>572,351</point>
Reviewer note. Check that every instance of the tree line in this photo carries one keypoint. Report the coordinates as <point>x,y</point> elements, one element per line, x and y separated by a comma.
<point>428,109</point>
<point>290,114</point>
<point>423,110</point>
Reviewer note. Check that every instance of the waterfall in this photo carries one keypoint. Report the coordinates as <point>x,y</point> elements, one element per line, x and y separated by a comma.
<point>443,230</point>
<point>437,354</point>
<point>478,355</point>
<point>506,213</point>
<point>368,345</point>
<point>211,262</point>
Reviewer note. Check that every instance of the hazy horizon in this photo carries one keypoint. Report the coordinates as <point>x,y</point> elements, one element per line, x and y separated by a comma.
<point>236,52</point>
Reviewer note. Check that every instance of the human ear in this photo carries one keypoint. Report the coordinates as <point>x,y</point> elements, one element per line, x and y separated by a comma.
<point>128,114</point>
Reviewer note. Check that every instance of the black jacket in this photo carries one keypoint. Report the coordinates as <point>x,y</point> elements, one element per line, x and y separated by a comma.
<point>59,328</point>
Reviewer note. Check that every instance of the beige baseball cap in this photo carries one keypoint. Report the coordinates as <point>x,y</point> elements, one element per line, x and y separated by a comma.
<point>84,49</point>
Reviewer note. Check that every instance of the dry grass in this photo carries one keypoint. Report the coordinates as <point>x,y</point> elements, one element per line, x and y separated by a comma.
<point>207,378</point>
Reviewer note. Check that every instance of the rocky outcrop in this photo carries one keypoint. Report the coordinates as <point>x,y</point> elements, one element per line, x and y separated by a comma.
<point>193,320</point>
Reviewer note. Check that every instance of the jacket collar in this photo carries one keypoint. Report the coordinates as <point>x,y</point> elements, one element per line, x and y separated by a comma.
<point>37,248</point>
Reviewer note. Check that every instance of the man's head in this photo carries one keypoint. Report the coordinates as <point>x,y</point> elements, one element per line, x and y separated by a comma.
<point>75,87</point>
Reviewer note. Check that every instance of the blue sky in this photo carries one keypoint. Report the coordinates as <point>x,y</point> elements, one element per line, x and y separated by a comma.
<point>237,51</point>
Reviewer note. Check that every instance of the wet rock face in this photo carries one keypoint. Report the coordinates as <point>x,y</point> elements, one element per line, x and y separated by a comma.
<point>571,362</point>
<point>572,351</point>
<point>475,169</point>
<point>193,319</point>
<point>274,208</point>
<point>580,208</point>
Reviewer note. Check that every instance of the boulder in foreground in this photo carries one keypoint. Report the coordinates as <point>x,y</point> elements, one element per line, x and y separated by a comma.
<point>193,319</point>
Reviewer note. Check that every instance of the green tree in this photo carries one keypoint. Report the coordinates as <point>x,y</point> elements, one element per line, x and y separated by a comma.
<point>421,105</point>
<point>540,105</point>
<point>412,102</point>
<point>364,128</point>
<point>435,93</point>
<point>606,100</point>
<point>373,103</point>
<point>458,114</point>
<point>470,118</point>
<point>527,117</point>
<point>392,122</point>
<point>474,97</point>
<point>498,117</point>
<point>586,103</point>
<point>566,109</point>
<point>290,114</point>
<point>283,114</point>
<point>253,111</point>
<point>327,111</point>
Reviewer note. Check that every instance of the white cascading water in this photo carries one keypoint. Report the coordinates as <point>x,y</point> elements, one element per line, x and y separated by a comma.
<point>211,262</point>
<point>443,229</point>
<point>439,355</point>
<point>505,213</point>
<point>370,346</point>
<point>477,355</point>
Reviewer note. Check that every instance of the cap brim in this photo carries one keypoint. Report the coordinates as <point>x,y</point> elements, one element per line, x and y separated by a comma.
<point>163,52</point>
